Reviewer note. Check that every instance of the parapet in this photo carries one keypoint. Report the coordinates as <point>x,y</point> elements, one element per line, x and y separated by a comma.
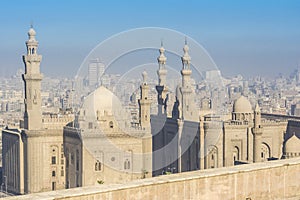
<point>268,180</point>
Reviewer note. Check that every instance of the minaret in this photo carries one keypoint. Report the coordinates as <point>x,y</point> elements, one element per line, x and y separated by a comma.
<point>32,81</point>
<point>144,103</point>
<point>162,86</point>
<point>257,134</point>
<point>186,90</point>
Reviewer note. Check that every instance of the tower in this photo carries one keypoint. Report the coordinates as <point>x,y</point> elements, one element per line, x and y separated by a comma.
<point>257,134</point>
<point>144,103</point>
<point>162,86</point>
<point>95,71</point>
<point>32,81</point>
<point>186,90</point>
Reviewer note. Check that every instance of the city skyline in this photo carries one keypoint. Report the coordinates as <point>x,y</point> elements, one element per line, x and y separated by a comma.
<point>167,111</point>
<point>247,38</point>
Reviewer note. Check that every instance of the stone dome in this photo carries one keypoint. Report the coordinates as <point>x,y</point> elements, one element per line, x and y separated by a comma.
<point>101,102</point>
<point>242,105</point>
<point>292,145</point>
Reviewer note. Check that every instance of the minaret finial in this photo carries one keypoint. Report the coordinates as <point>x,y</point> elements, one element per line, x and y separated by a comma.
<point>144,75</point>
<point>162,58</point>
<point>31,24</point>
<point>185,40</point>
<point>186,59</point>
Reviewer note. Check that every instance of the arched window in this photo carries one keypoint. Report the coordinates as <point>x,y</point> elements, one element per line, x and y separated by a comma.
<point>213,158</point>
<point>98,165</point>
<point>53,173</point>
<point>111,124</point>
<point>33,51</point>
<point>265,152</point>
<point>236,154</point>
<point>126,164</point>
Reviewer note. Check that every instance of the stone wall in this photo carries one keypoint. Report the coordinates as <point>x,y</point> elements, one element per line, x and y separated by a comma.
<point>270,180</point>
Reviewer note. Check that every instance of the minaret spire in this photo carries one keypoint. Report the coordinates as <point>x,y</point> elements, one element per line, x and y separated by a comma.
<point>162,88</point>
<point>186,90</point>
<point>32,79</point>
<point>186,59</point>
<point>162,71</point>
<point>257,131</point>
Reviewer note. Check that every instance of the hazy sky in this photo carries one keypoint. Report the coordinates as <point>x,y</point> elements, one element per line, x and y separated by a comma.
<point>243,37</point>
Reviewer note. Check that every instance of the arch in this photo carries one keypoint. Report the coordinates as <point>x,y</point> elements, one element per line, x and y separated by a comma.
<point>265,151</point>
<point>99,161</point>
<point>98,165</point>
<point>126,164</point>
<point>111,124</point>
<point>235,154</point>
<point>213,156</point>
<point>33,51</point>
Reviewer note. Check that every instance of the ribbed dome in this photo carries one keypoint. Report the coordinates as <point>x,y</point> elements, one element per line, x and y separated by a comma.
<point>292,145</point>
<point>242,105</point>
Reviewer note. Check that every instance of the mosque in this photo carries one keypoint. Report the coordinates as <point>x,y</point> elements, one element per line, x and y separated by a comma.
<point>98,145</point>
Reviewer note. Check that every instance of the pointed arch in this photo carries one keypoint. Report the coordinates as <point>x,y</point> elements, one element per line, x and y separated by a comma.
<point>265,151</point>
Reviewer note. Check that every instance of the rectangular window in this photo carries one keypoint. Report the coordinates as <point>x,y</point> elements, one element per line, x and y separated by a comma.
<point>62,161</point>
<point>53,160</point>
<point>72,159</point>
<point>62,172</point>
<point>53,186</point>
<point>90,125</point>
<point>53,173</point>
<point>77,165</point>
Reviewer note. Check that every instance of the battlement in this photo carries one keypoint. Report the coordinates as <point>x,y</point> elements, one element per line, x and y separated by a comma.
<point>56,121</point>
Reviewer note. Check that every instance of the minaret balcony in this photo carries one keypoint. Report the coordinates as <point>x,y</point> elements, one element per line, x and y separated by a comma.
<point>37,77</point>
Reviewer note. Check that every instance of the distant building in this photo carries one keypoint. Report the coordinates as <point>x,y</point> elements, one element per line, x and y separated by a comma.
<point>95,72</point>
<point>295,109</point>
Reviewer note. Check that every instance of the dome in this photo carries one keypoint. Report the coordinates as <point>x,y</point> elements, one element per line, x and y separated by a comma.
<point>100,102</point>
<point>292,145</point>
<point>242,105</point>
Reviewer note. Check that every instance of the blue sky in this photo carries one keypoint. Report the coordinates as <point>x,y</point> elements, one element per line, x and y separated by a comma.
<point>243,37</point>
